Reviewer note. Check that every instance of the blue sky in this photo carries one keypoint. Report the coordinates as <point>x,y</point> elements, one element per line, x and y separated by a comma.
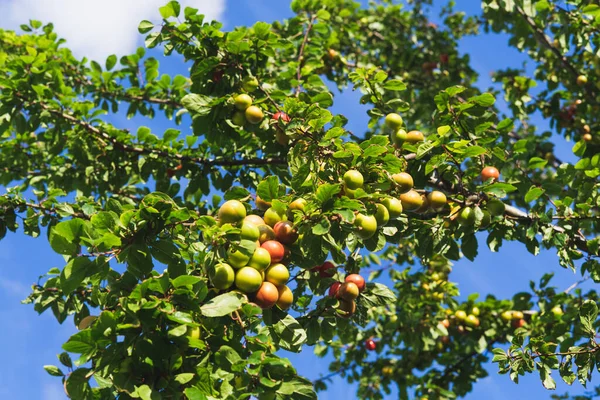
<point>99,28</point>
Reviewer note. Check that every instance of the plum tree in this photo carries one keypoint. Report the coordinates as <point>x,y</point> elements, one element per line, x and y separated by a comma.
<point>161,237</point>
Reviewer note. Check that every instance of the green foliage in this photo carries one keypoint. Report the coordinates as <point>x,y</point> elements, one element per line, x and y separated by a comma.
<point>138,256</point>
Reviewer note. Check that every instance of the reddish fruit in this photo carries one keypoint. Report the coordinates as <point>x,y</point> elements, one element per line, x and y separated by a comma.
<point>444,58</point>
<point>490,173</point>
<point>445,339</point>
<point>348,291</point>
<point>285,232</point>
<point>280,115</point>
<point>446,323</point>
<point>370,344</point>
<point>358,280</point>
<point>334,289</point>
<point>275,249</point>
<point>587,137</point>
<point>327,270</point>
<point>518,323</point>
<point>217,75</point>
<point>267,295</point>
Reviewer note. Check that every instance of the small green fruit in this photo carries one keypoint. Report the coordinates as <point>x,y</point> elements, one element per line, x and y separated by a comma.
<point>393,205</point>
<point>393,121</point>
<point>250,84</point>
<point>242,101</point>
<point>366,224</point>
<point>353,179</point>
<point>223,276</point>
<point>382,215</point>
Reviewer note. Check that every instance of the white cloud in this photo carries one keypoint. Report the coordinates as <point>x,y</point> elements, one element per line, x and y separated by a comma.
<point>97,28</point>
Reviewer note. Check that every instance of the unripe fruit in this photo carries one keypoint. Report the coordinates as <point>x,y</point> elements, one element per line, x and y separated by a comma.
<point>411,200</point>
<point>348,291</point>
<point>366,224</point>
<point>496,207</point>
<point>475,311</point>
<point>587,137</point>
<point>285,232</point>
<point>242,101</point>
<point>332,54</point>
<point>399,137</point>
<point>490,173</point>
<point>382,215</point>
<point>254,220</point>
<point>193,332</point>
<point>466,217</point>
<point>254,115</point>
<point>275,249</point>
<point>277,274</point>
<point>249,231</point>
<point>404,181</point>
<point>280,115</point>
<point>393,121</point>
<point>238,118</point>
<point>517,315</point>
<point>282,138</point>
<point>582,80</point>
<point>260,260</point>
<point>393,205</point>
<point>507,315</point>
<point>237,259</point>
<point>472,321</point>
<point>231,212</point>
<point>557,311</point>
<point>327,269</point>
<point>272,217</point>
<point>437,200</point>
<point>486,220</point>
<point>334,289</point>
<point>424,207</point>
<point>298,204</point>
<point>460,315</point>
<point>415,137</point>
<point>358,280</point>
<point>346,308</point>
<point>261,204</point>
<point>286,297</point>
<point>266,233</point>
<point>267,295</point>
<point>370,344</point>
<point>222,276</point>
<point>387,371</point>
<point>248,280</point>
<point>353,179</point>
<point>250,84</point>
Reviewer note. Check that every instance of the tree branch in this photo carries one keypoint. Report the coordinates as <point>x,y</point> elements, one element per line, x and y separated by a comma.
<point>301,53</point>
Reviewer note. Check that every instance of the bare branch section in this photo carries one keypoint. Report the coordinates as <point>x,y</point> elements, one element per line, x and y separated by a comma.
<point>301,52</point>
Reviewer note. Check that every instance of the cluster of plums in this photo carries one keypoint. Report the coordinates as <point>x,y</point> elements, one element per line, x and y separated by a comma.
<point>346,292</point>
<point>246,112</point>
<point>262,275</point>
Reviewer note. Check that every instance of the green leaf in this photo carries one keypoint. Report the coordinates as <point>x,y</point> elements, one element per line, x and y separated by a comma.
<point>193,393</point>
<point>268,189</point>
<point>289,334</point>
<point>74,273</point>
<point>185,280</point>
<point>326,191</point>
<point>144,27</point>
<point>171,9</point>
<point>111,61</point>
<point>395,85</point>
<point>537,162</point>
<point>197,104</point>
<point>533,194</point>
<point>223,304</point>
<point>588,313</point>
<point>484,100</point>
<point>53,370</point>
